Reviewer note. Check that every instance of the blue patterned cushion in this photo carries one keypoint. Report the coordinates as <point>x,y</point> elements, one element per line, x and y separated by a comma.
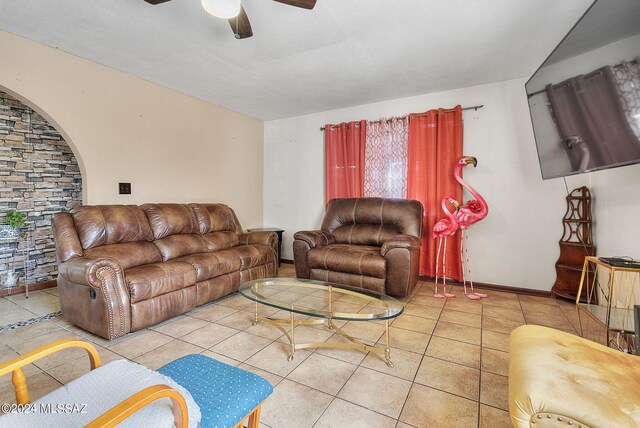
<point>225,394</point>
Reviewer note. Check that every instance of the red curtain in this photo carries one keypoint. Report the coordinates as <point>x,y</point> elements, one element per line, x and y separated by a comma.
<point>344,160</point>
<point>435,146</point>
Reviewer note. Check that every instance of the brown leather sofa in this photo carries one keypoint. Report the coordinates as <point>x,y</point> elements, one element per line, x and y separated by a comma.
<point>126,267</point>
<point>371,243</point>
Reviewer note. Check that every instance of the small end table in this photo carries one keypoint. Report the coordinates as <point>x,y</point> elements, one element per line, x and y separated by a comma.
<point>271,229</point>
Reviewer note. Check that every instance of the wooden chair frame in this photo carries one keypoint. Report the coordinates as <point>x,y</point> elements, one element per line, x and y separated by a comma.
<point>117,413</point>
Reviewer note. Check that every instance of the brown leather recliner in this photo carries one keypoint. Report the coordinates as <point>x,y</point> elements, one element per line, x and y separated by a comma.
<point>372,243</point>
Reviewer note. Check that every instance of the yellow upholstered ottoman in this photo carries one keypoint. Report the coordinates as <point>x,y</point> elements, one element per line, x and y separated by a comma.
<point>557,379</point>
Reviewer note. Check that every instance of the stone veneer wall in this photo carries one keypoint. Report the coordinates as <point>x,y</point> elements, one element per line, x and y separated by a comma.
<point>39,175</point>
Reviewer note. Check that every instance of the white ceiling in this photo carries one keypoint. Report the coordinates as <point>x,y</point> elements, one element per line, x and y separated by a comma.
<point>606,22</point>
<point>340,54</point>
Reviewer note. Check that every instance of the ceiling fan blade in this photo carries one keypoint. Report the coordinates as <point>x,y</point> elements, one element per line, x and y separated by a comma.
<point>156,1</point>
<point>240,25</point>
<point>305,4</point>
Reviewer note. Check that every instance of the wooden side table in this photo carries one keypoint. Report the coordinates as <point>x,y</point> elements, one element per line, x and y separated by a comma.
<point>271,229</point>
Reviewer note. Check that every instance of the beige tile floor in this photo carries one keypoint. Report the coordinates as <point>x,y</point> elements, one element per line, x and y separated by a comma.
<point>450,357</point>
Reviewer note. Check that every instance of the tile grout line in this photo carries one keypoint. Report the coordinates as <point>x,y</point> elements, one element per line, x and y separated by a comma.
<point>424,354</point>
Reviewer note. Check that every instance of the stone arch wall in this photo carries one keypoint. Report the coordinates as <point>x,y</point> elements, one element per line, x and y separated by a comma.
<point>40,176</point>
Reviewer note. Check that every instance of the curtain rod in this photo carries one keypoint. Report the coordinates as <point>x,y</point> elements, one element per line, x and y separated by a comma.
<point>322,128</point>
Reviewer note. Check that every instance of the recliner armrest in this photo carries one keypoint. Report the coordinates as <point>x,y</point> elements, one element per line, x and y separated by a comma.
<point>315,238</point>
<point>400,241</point>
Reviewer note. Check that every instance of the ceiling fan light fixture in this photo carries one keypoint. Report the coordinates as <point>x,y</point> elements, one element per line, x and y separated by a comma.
<point>222,8</point>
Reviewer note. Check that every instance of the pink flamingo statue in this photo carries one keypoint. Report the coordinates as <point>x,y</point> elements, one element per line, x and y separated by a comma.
<point>442,230</point>
<point>471,212</point>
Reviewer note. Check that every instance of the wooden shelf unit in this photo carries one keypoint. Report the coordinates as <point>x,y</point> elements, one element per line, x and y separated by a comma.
<point>575,244</point>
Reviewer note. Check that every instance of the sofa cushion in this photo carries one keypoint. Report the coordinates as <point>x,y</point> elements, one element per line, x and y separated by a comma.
<point>173,246</point>
<point>170,219</point>
<point>129,254</point>
<point>352,279</point>
<point>148,281</point>
<point>211,265</point>
<point>110,224</point>
<point>253,255</point>
<point>221,240</point>
<point>215,218</point>
<point>355,259</point>
<point>365,234</point>
<point>371,221</point>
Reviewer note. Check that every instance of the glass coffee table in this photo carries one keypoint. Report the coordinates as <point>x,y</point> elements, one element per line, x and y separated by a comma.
<point>325,302</point>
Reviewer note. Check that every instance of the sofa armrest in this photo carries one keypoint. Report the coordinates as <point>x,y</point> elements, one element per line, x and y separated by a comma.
<point>400,241</point>
<point>402,257</point>
<point>315,238</point>
<point>90,271</point>
<point>264,238</point>
<point>94,295</point>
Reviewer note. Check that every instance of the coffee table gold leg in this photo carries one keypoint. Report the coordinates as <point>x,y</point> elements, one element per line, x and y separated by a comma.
<point>330,325</point>
<point>255,321</point>
<point>293,340</point>
<point>387,350</point>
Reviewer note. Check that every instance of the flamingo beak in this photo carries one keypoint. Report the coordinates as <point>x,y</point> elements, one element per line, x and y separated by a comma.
<point>471,160</point>
<point>456,204</point>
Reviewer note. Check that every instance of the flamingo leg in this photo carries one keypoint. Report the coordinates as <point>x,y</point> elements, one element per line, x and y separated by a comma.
<point>466,250</point>
<point>462,266</point>
<point>435,291</point>
<point>464,243</point>
<point>444,276</point>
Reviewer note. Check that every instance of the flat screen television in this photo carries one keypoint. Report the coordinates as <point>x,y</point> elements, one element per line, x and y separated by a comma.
<point>584,99</point>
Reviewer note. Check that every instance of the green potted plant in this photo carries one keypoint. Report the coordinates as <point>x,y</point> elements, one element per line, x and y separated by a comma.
<point>14,220</point>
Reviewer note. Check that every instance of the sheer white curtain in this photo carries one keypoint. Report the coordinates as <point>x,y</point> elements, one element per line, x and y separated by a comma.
<point>385,158</point>
<point>627,78</point>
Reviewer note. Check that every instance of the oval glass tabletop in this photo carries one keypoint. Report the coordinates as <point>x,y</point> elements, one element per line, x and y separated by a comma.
<point>322,299</point>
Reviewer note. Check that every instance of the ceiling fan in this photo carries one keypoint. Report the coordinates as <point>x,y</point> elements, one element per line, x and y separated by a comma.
<point>234,12</point>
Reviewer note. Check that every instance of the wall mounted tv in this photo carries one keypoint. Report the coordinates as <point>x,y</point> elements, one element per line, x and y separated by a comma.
<point>584,99</point>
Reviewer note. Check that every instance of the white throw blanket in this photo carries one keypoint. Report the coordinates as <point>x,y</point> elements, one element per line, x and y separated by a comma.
<point>84,399</point>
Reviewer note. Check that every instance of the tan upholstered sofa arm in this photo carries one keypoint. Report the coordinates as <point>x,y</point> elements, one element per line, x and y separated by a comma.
<point>400,241</point>
<point>558,379</point>
<point>315,238</point>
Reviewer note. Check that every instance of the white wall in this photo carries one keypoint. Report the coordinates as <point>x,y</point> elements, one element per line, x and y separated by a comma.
<point>171,147</point>
<point>516,245</point>
<point>615,209</point>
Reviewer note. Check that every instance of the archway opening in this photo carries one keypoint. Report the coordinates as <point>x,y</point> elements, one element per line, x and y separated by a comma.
<point>40,176</point>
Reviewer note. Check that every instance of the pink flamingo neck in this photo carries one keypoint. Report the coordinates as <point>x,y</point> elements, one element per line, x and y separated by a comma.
<point>457,172</point>
<point>449,214</point>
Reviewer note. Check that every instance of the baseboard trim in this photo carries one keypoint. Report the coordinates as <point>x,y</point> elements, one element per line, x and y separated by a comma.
<point>483,285</point>
<point>496,287</point>
<point>32,287</point>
